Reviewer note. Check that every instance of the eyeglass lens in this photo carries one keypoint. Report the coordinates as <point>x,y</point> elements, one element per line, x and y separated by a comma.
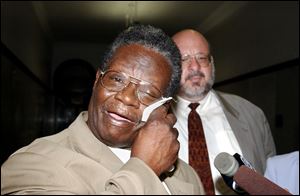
<point>202,60</point>
<point>117,81</point>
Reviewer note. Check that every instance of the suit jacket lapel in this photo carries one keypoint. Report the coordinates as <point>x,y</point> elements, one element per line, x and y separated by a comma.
<point>86,143</point>
<point>239,128</point>
<point>177,186</point>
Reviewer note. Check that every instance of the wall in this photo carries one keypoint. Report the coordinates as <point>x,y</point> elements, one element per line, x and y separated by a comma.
<point>26,100</point>
<point>268,35</point>
<point>22,34</point>
<point>90,52</point>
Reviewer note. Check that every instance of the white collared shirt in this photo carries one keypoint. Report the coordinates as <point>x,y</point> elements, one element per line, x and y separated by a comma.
<point>124,156</point>
<point>218,133</point>
<point>283,170</point>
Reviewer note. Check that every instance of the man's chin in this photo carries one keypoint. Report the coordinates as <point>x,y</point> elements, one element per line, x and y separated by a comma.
<point>192,91</point>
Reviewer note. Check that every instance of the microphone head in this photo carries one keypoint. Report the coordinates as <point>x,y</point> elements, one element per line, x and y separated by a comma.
<point>226,164</point>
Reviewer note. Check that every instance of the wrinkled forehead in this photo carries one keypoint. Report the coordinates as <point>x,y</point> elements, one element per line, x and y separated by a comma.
<point>142,63</point>
<point>139,56</point>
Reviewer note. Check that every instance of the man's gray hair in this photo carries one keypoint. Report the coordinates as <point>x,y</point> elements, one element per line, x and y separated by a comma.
<point>152,38</point>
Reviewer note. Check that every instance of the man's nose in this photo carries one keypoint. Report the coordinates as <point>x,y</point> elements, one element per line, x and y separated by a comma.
<point>194,64</point>
<point>128,95</point>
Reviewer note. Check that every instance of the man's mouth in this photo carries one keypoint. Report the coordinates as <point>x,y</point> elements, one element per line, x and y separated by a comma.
<point>195,78</point>
<point>119,117</point>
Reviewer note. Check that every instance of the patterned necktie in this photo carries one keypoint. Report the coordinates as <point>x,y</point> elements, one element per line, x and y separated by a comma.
<point>198,155</point>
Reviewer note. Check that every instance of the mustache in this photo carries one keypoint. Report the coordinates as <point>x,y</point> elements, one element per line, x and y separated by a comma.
<point>194,73</point>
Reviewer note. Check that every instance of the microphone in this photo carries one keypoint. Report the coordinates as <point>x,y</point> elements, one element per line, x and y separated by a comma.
<point>228,165</point>
<point>241,177</point>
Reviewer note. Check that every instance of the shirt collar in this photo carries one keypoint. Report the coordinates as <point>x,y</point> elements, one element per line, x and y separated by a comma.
<point>183,104</point>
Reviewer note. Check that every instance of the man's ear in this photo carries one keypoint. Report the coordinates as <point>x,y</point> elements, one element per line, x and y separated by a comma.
<point>98,75</point>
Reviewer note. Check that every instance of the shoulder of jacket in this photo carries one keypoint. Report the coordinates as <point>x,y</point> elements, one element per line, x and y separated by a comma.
<point>235,99</point>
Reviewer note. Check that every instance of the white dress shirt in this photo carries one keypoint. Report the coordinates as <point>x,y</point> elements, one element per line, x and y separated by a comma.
<point>124,156</point>
<point>283,170</point>
<point>218,133</point>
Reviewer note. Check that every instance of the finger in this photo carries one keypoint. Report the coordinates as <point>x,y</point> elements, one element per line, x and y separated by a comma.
<point>175,131</point>
<point>167,105</point>
<point>159,112</point>
<point>171,119</point>
<point>139,125</point>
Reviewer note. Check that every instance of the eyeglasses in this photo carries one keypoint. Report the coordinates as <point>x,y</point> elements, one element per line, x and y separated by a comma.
<point>202,60</point>
<point>116,81</point>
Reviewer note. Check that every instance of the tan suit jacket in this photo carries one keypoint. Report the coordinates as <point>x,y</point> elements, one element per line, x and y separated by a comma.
<point>75,162</point>
<point>250,128</point>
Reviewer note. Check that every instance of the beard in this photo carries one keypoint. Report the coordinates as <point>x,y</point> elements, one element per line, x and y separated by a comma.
<point>199,89</point>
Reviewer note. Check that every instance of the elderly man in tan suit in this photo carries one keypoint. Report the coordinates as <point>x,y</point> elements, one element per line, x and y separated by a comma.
<point>109,150</point>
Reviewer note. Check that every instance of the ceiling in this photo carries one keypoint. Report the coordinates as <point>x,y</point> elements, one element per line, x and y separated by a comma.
<point>101,21</point>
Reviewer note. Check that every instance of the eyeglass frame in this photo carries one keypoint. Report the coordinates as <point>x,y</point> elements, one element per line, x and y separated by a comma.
<point>188,59</point>
<point>131,79</point>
